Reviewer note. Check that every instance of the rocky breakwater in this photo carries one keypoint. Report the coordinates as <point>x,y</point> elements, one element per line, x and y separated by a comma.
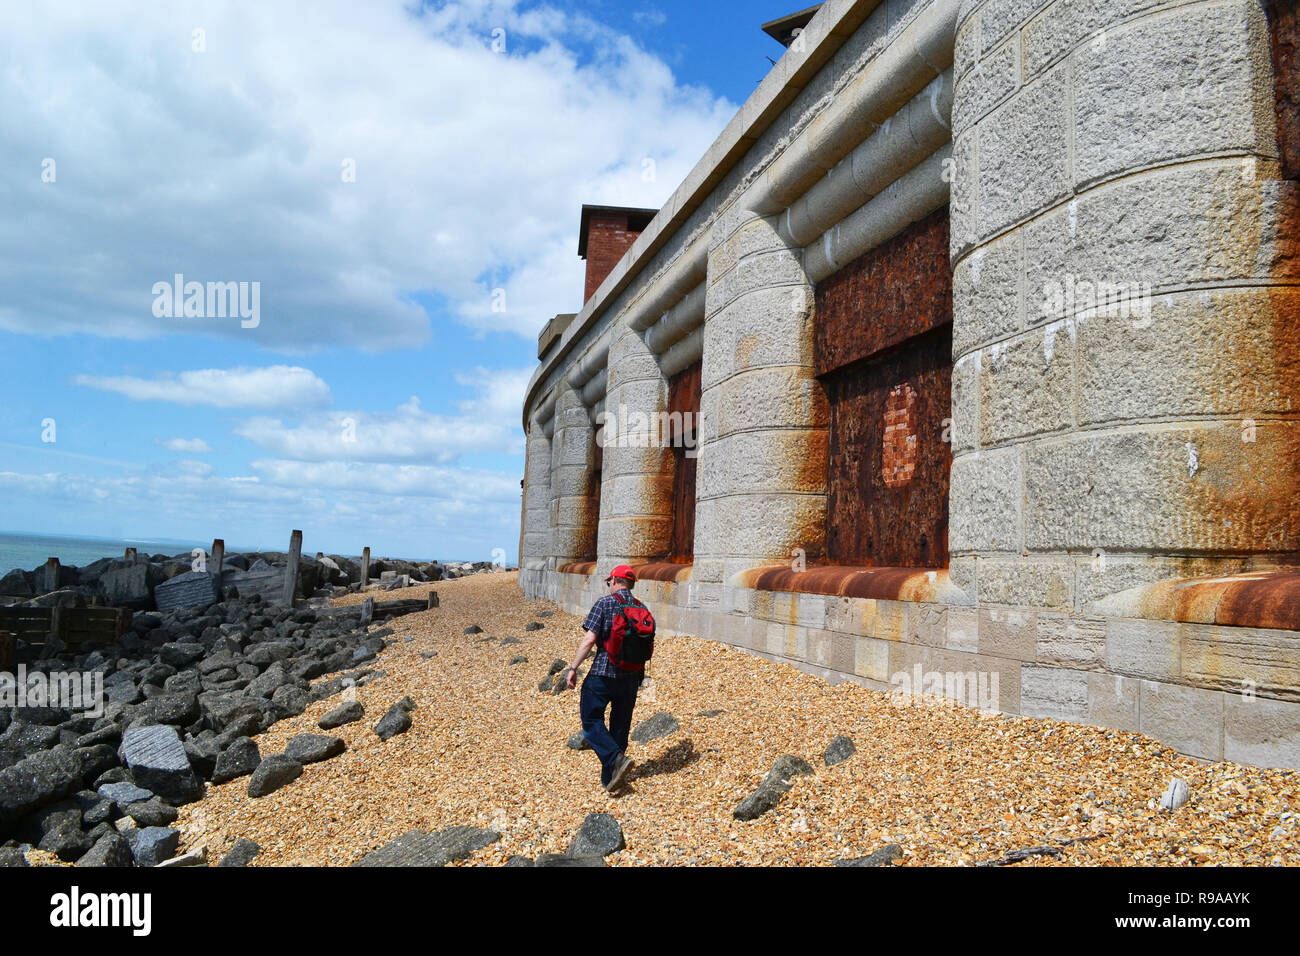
<point>178,699</point>
<point>163,582</point>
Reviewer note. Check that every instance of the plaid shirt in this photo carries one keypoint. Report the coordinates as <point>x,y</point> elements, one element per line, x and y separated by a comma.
<point>599,620</point>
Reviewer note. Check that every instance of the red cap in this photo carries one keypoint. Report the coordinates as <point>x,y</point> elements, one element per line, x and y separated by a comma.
<point>622,571</point>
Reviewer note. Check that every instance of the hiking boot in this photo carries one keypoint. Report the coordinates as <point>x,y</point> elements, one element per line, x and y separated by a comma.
<point>620,774</point>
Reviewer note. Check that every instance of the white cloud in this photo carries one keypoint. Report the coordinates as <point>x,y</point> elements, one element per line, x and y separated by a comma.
<point>419,481</point>
<point>273,387</point>
<point>190,446</point>
<point>410,512</point>
<point>487,423</point>
<point>227,165</point>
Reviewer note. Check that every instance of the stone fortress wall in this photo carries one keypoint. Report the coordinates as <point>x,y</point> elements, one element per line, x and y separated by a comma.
<point>983,319</point>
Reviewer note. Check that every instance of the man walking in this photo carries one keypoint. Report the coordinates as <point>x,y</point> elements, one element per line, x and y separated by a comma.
<point>618,625</point>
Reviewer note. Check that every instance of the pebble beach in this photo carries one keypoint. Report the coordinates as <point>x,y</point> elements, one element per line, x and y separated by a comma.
<point>947,785</point>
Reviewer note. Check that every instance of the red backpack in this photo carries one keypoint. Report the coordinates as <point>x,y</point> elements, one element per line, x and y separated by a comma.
<point>631,640</point>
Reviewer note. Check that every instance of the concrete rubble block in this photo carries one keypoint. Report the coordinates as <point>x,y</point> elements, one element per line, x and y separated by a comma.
<point>1062,27</point>
<point>998,18</point>
<point>159,763</point>
<point>418,848</point>
<point>963,207</point>
<point>1189,719</point>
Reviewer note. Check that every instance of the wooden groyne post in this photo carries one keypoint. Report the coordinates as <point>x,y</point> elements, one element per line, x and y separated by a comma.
<point>291,570</point>
<point>218,559</point>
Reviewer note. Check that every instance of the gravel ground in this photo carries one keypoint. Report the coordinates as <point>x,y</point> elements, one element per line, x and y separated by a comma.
<point>949,785</point>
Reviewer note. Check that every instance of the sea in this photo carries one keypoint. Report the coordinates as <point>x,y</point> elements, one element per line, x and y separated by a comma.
<point>30,551</point>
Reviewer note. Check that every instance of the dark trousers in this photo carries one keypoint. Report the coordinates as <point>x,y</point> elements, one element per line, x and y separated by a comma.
<point>619,695</point>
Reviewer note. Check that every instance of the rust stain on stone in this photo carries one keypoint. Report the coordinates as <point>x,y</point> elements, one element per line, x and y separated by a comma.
<point>669,571</point>
<point>1267,599</point>
<point>649,571</point>
<point>1284,40</point>
<point>886,584</point>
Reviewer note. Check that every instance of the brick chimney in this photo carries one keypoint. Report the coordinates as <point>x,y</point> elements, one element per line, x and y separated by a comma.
<point>605,234</point>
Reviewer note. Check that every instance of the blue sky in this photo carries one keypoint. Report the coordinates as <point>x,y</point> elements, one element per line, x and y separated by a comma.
<point>406,199</point>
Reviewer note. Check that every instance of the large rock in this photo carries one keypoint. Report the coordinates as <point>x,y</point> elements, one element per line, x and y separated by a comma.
<point>417,848</point>
<point>839,750</point>
<point>774,786</point>
<point>599,835</point>
<point>153,845</point>
<point>274,772</point>
<point>17,584</point>
<point>124,794</point>
<point>240,759</point>
<point>578,741</point>
<point>66,840</point>
<point>36,781</point>
<point>260,580</point>
<point>313,748</point>
<point>342,714</point>
<point>563,859</point>
<point>241,854</point>
<point>152,813</point>
<point>111,849</point>
<point>659,725</point>
<point>396,721</point>
<point>24,739</point>
<point>159,763</point>
<point>181,654</point>
<point>885,856</point>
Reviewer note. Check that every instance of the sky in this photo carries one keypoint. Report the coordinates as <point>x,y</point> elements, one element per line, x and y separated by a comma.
<point>379,204</point>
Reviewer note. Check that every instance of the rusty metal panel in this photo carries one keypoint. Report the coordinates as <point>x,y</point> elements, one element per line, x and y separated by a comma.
<point>893,293</point>
<point>887,475</point>
<point>684,401</point>
<point>1284,36</point>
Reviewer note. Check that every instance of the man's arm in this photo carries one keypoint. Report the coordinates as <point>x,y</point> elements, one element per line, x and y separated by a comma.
<point>584,648</point>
